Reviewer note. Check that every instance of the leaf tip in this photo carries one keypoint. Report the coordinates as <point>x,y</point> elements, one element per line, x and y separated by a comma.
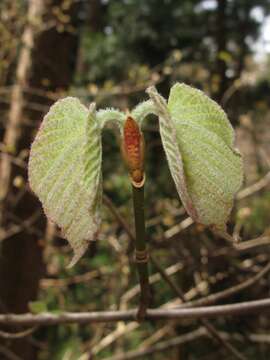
<point>78,253</point>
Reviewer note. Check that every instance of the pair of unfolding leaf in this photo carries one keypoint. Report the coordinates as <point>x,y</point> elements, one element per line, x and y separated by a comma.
<point>66,157</point>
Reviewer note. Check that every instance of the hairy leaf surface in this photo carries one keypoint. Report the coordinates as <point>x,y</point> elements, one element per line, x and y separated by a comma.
<point>199,129</point>
<point>65,171</point>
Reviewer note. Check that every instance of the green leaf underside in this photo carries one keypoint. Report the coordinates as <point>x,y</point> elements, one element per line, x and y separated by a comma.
<point>173,154</point>
<point>212,167</point>
<point>66,179</point>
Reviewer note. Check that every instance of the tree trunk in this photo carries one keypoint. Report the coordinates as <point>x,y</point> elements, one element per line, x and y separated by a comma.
<point>46,63</point>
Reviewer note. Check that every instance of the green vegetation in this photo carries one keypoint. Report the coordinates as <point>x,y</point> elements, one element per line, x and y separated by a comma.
<point>108,52</point>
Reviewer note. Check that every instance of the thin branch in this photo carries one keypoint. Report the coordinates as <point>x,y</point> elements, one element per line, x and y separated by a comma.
<point>17,335</point>
<point>159,334</point>
<point>176,229</point>
<point>123,329</point>
<point>130,293</point>
<point>227,345</point>
<point>249,244</point>
<point>182,339</point>
<point>214,298</point>
<point>161,346</point>
<point>257,186</point>
<point>243,308</point>
<point>77,279</point>
<point>107,340</point>
<point>210,328</point>
<point>108,202</point>
<point>11,136</point>
<point>178,291</point>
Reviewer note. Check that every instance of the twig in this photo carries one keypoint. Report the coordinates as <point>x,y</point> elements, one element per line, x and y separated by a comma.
<point>214,298</point>
<point>17,335</point>
<point>182,339</point>
<point>230,91</point>
<point>121,329</point>
<point>108,202</point>
<point>248,244</point>
<point>178,228</point>
<point>77,279</point>
<point>129,294</point>
<point>210,328</point>
<point>11,136</point>
<point>242,308</point>
<point>161,332</point>
<point>257,186</point>
<point>162,346</point>
<point>215,334</point>
<point>141,252</point>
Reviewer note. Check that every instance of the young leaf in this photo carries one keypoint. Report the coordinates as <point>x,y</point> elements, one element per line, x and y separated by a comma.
<point>198,141</point>
<point>110,115</point>
<point>65,171</point>
<point>142,110</point>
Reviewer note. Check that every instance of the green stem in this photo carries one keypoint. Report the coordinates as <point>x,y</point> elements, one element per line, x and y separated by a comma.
<point>141,251</point>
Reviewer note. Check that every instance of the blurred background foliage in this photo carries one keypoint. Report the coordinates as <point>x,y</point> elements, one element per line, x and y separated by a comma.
<point>109,51</point>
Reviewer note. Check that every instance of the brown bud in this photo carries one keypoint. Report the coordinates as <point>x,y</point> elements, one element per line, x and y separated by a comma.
<point>133,150</point>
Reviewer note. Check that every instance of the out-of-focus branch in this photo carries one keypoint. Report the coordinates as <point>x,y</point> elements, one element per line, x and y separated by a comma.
<point>213,298</point>
<point>161,346</point>
<point>77,279</point>
<point>210,328</point>
<point>17,335</point>
<point>108,202</point>
<point>243,308</point>
<point>249,244</point>
<point>183,339</point>
<point>17,97</point>
<point>257,186</point>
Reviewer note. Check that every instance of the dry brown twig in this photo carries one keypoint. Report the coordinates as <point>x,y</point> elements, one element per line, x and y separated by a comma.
<point>211,329</point>
<point>77,279</point>
<point>249,244</point>
<point>183,339</point>
<point>214,298</point>
<point>252,189</point>
<point>161,346</point>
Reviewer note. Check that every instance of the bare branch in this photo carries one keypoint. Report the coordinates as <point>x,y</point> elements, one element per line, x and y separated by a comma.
<point>213,298</point>
<point>182,339</point>
<point>210,328</point>
<point>257,186</point>
<point>17,335</point>
<point>242,308</point>
<point>162,346</point>
<point>249,244</point>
